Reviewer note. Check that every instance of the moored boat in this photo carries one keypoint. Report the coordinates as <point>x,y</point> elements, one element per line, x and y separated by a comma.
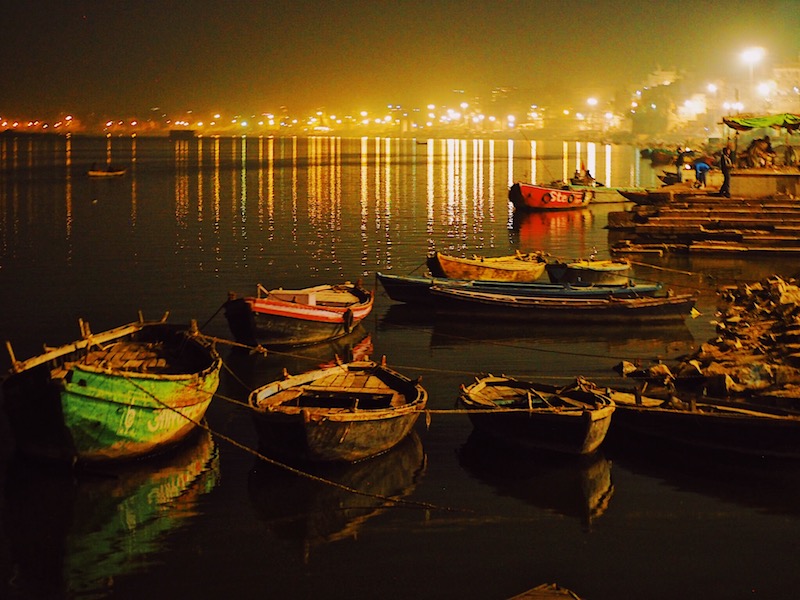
<point>713,425</point>
<point>600,194</point>
<point>285,317</point>
<point>609,272</point>
<point>416,288</point>
<point>537,416</point>
<point>528,196</point>
<point>347,412</point>
<point>107,172</point>
<point>120,394</point>
<point>517,267</point>
<point>458,300</point>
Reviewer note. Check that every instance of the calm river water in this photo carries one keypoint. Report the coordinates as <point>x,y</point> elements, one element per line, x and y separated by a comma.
<point>192,220</point>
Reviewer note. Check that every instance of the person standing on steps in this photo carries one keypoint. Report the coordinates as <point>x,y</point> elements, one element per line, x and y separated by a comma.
<point>726,165</point>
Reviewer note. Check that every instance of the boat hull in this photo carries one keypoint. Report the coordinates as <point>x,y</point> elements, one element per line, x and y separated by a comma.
<point>519,268</point>
<point>579,429</point>
<point>415,289</point>
<point>599,311</point>
<point>747,430</point>
<point>71,411</point>
<point>529,197</point>
<point>606,272</point>
<point>344,413</point>
<point>276,322</point>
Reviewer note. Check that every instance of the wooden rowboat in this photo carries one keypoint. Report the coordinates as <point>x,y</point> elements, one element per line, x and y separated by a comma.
<point>110,172</point>
<point>517,267</point>
<point>348,412</point>
<point>538,416</point>
<point>416,288</point>
<point>282,317</point>
<point>531,197</point>
<point>120,394</point>
<point>457,300</point>
<point>707,424</point>
<point>609,272</point>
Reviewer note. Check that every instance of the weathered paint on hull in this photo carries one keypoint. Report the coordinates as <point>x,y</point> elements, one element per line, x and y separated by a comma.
<point>67,407</point>
<point>273,330</point>
<point>568,434</point>
<point>114,417</point>
<point>323,439</point>
<point>508,269</point>
<point>600,311</point>
<point>529,197</point>
<point>604,272</point>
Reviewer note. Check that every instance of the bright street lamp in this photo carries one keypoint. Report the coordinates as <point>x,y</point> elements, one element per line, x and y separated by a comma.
<point>752,56</point>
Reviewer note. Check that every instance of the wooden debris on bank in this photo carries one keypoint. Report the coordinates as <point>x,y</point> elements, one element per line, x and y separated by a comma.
<point>755,354</point>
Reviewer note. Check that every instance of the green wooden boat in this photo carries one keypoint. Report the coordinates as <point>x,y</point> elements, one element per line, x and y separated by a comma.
<point>121,394</point>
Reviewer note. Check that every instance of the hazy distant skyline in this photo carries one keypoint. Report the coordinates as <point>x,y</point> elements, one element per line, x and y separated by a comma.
<point>124,57</point>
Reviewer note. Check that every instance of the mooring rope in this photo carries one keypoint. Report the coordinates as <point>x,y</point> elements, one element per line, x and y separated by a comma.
<point>294,470</point>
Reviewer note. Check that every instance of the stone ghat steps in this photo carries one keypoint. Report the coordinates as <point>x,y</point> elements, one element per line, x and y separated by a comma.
<point>708,224</point>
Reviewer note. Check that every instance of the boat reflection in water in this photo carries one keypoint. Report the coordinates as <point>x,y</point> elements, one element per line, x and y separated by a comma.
<point>533,228</point>
<point>315,513</point>
<point>254,368</point>
<point>635,340</point>
<point>72,537</point>
<point>573,486</point>
<point>768,485</point>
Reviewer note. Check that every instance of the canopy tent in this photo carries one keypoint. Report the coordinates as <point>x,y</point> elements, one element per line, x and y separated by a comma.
<point>788,121</point>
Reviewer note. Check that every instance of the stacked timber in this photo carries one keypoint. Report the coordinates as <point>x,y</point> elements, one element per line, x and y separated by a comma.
<point>707,224</point>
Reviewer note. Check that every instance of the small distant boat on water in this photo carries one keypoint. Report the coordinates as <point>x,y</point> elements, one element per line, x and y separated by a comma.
<point>517,267</point>
<point>347,412</point>
<point>108,171</point>
<point>608,272</point>
<point>536,416</point>
<point>532,197</point>
<point>415,289</point>
<point>116,395</point>
<point>297,317</point>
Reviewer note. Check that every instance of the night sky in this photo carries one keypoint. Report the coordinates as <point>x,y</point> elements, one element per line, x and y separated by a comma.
<point>123,57</point>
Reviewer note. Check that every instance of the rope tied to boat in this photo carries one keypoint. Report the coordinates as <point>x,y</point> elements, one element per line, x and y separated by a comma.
<point>294,470</point>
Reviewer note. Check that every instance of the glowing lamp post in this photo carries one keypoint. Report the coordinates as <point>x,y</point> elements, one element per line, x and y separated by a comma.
<point>751,57</point>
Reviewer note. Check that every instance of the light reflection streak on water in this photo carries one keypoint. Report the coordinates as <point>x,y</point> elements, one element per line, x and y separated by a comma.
<point>67,195</point>
<point>243,190</point>
<point>181,154</point>
<point>377,192</point>
<point>477,180</point>
<point>430,196</point>
<point>364,200</point>
<point>387,204</point>
<point>215,186</point>
<point>261,170</point>
<point>271,187</point>
<point>200,180</point>
<point>294,190</point>
<point>134,203</point>
<point>607,178</point>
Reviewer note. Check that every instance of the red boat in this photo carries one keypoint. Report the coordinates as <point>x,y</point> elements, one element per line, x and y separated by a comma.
<point>527,196</point>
